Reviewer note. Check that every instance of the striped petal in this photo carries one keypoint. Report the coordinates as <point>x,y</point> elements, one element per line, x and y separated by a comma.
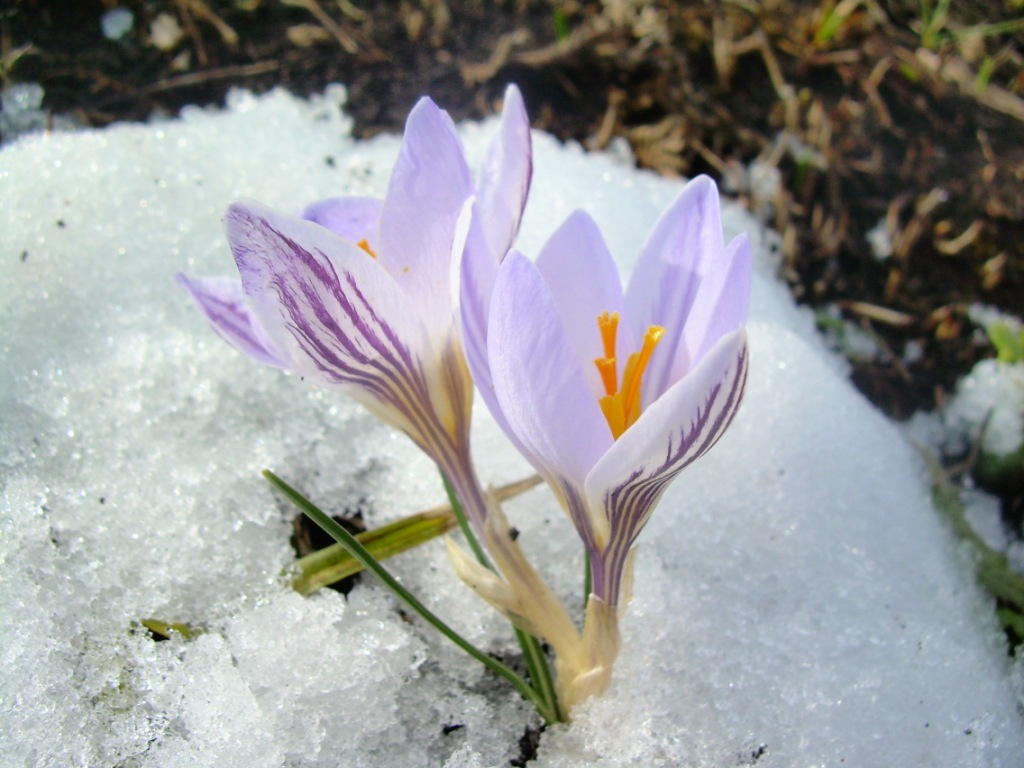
<point>678,428</point>
<point>222,301</point>
<point>335,311</point>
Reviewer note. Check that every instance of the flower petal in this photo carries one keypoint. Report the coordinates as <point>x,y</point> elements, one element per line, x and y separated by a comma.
<point>354,218</point>
<point>471,269</point>
<point>492,228</point>
<point>505,177</point>
<point>335,312</point>
<point>474,270</point>
<point>669,274</point>
<point>543,394</point>
<point>584,282</point>
<point>428,187</point>
<point>674,431</point>
<point>222,301</point>
<point>723,301</point>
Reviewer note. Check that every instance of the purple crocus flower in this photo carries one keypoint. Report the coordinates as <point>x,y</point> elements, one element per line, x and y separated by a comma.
<point>356,292</point>
<point>610,394</point>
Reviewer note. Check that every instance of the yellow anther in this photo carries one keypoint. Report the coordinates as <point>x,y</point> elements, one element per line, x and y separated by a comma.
<point>635,372</point>
<point>365,245</point>
<point>621,405</point>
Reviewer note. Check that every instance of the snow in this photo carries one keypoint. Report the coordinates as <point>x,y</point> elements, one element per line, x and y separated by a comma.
<point>992,394</point>
<point>797,602</point>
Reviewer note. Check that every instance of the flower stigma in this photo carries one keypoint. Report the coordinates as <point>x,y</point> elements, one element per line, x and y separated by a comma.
<point>621,404</point>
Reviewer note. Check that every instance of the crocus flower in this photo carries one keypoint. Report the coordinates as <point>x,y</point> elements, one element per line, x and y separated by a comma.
<point>610,394</point>
<point>355,293</point>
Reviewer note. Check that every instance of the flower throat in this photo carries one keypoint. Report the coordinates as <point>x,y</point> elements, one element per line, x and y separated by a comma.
<point>621,404</point>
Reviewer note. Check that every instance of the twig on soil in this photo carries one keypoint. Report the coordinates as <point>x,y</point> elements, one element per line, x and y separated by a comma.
<point>207,75</point>
<point>473,74</point>
<point>202,10</point>
<point>923,209</point>
<point>349,10</point>
<point>193,32</point>
<point>345,40</point>
<point>889,354</point>
<point>870,86</point>
<point>956,71</point>
<point>606,131</point>
<point>884,315</point>
<point>583,37</point>
<point>963,240</point>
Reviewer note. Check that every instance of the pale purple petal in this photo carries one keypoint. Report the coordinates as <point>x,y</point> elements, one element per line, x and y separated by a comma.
<point>668,276</point>
<point>544,397</point>
<point>470,304</point>
<point>222,301</point>
<point>584,282</point>
<point>333,308</point>
<point>428,187</point>
<point>723,302</point>
<point>674,431</point>
<point>505,177</point>
<point>474,269</point>
<point>496,213</point>
<point>354,218</point>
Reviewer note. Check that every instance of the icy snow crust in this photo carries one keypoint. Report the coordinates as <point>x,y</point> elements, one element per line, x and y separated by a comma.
<point>797,603</point>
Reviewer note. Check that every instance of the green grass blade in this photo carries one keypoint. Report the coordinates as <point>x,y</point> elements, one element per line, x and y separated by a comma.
<point>460,515</point>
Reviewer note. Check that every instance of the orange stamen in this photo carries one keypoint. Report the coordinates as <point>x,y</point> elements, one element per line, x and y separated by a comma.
<point>611,406</point>
<point>621,406</point>
<point>606,367</point>
<point>365,245</point>
<point>635,372</point>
